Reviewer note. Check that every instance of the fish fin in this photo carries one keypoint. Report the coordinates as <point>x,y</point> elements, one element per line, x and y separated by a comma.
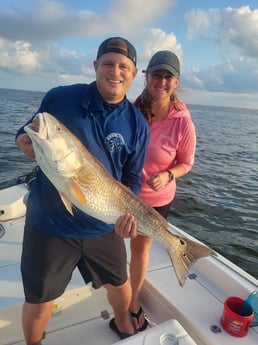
<point>67,203</point>
<point>184,253</point>
<point>77,192</point>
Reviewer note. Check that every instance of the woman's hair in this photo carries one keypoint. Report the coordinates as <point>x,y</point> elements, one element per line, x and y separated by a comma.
<point>144,103</point>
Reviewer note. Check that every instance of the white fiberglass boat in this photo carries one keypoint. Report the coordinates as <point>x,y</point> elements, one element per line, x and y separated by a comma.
<point>177,315</point>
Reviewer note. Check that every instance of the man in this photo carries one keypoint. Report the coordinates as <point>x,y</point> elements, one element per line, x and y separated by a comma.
<point>55,243</point>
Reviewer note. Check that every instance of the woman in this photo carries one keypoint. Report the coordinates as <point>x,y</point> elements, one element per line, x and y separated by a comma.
<point>170,155</point>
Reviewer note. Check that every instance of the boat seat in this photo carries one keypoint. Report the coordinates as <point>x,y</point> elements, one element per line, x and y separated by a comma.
<point>13,202</point>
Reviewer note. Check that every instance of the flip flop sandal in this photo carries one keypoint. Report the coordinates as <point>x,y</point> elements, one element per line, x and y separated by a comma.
<point>137,316</point>
<point>114,328</point>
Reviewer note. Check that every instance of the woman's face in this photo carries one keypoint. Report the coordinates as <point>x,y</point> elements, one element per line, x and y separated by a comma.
<point>161,84</point>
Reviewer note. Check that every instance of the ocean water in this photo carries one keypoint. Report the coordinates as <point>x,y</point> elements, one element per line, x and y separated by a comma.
<point>217,202</point>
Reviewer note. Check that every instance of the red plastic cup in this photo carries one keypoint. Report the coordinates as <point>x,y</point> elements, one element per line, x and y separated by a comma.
<point>237,316</point>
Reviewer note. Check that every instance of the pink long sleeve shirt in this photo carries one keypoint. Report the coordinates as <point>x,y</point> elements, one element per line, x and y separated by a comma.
<point>172,141</point>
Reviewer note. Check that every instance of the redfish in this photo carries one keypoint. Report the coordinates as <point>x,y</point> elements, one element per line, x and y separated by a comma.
<point>82,181</point>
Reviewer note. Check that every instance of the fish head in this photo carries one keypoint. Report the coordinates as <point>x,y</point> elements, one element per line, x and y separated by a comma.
<point>53,145</point>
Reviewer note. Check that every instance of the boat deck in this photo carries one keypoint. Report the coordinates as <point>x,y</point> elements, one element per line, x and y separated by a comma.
<point>81,316</point>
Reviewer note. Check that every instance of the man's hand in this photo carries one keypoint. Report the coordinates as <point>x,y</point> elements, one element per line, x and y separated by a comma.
<point>126,226</point>
<point>25,144</point>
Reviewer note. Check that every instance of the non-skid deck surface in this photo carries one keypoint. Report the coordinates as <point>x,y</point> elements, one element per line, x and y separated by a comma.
<point>80,314</point>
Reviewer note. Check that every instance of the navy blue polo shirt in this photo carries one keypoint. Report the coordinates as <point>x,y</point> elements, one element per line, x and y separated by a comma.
<point>116,134</point>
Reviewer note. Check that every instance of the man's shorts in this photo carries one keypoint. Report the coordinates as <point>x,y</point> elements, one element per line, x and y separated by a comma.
<point>48,263</point>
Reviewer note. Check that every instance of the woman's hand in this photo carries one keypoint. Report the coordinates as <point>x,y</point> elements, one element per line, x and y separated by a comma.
<point>158,181</point>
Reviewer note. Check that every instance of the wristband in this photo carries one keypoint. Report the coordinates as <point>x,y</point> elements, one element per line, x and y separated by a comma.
<point>170,176</point>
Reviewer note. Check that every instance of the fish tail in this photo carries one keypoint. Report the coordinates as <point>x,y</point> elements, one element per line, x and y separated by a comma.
<point>184,253</point>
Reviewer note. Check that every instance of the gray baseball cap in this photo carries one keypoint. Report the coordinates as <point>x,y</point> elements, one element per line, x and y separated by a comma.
<point>166,60</point>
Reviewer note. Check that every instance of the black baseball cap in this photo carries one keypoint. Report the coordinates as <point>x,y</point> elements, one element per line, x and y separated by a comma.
<point>164,59</point>
<point>117,45</point>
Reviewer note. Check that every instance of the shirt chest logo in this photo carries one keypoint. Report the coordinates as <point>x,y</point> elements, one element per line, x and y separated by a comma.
<point>114,142</point>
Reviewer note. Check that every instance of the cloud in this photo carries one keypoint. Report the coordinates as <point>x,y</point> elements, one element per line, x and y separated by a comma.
<point>47,22</point>
<point>133,15</point>
<point>225,77</point>
<point>201,23</point>
<point>234,27</point>
<point>198,22</point>
<point>239,28</point>
<point>30,38</point>
<point>156,39</point>
<point>235,32</point>
<point>18,55</point>
<point>50,20</point>
<point>39,43</point>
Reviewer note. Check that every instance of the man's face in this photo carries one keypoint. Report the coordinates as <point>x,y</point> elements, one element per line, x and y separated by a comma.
<point>114,76</point>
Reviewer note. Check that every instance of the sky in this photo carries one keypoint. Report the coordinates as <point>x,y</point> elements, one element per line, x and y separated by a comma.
<point>48,43</point>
